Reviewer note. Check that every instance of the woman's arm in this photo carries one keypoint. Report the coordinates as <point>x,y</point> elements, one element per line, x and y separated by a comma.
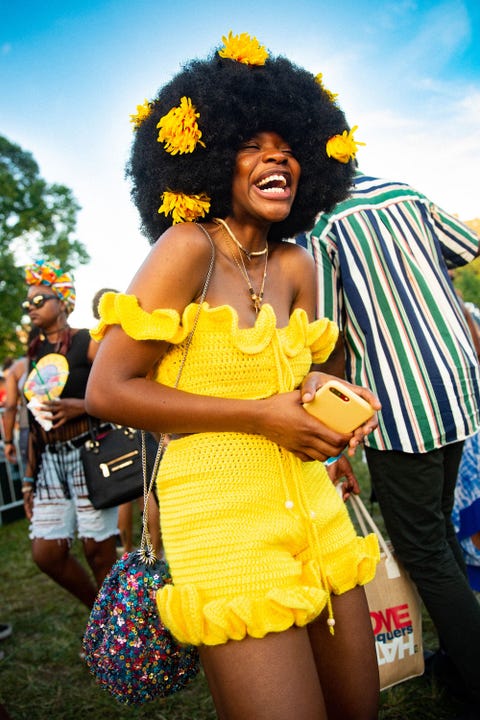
<point>119,388</point>
<point>65,409</point>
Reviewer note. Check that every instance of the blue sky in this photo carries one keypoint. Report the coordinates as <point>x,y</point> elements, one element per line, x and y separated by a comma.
<point>407,73</point>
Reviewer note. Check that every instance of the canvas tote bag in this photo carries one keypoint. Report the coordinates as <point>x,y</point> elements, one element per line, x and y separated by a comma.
<point>395,610</point>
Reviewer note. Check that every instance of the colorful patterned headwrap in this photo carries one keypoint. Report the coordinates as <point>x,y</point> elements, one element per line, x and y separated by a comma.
<point>49,272</point>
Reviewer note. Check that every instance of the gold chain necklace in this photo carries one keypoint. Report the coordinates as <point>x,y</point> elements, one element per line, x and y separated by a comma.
<point>254,253</point>
<point>256,298</point>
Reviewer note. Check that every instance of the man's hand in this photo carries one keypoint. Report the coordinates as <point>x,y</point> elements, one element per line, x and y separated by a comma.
<point>343,469</point>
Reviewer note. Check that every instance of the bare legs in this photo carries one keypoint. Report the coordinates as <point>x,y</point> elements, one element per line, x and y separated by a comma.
<point>274,677</point>
<point>54,558</point>
<point>347,662</point>
<point>302,673</point>
<point>125,523</point>
<point>100,556</point>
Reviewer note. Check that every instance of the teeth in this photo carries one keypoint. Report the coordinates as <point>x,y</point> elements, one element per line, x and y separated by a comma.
<point>273,190</point>
<point>272,178</point>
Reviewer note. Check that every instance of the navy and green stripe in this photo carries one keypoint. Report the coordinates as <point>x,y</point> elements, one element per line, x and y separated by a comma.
<point>382,258</point>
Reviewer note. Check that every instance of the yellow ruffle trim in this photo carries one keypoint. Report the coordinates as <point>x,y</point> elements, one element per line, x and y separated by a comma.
<point>195,620</point>
<point>167,325</point>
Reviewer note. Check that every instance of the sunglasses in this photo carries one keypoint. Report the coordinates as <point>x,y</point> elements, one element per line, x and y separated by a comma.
<point>37,301</point>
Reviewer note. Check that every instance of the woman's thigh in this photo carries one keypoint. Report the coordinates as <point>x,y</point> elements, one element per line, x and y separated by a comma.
<point>347,661</point>
<point>274,677</point>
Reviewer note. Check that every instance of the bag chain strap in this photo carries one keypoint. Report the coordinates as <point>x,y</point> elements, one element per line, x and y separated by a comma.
<point>146,550</point>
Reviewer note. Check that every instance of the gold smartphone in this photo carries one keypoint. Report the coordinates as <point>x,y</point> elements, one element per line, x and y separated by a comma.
<point>339,408</point>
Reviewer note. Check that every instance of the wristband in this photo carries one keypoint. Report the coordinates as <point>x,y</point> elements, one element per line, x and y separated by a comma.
<point>26,489</point>
<point>330,461</point>
<point>8,442</point>
<point>27,481</point>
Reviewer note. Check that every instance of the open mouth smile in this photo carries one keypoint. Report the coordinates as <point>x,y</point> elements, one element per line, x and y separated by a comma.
<point>274,184</point>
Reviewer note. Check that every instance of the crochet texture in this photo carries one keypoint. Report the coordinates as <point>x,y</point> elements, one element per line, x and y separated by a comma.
<point>255,538</point>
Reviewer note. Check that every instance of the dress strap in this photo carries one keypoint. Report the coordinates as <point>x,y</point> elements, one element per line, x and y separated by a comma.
<point>211,265</point>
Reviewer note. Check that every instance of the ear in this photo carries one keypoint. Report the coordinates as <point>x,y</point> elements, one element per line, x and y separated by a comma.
<point>64,307</point>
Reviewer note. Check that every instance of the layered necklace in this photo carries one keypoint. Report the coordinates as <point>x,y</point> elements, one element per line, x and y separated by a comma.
<point>256,297</point>
<point>249,255</point>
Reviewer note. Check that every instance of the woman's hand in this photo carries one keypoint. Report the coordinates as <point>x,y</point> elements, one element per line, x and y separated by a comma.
<point>314,380</point>
<point>284,421</point>
<point>10,453</point>
<point>63,410</point>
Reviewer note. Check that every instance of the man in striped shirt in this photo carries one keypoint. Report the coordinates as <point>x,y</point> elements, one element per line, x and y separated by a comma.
<point>382,259</point>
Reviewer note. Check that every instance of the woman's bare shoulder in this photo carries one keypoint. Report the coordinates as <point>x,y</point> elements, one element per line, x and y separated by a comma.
<point>174,270</point>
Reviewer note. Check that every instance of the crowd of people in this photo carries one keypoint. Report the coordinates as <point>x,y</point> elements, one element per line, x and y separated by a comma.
<point>235,155</point>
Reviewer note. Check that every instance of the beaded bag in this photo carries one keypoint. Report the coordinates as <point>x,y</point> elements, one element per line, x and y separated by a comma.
<point>127,648</point>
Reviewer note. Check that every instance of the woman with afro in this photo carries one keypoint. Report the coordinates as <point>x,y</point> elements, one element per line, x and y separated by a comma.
<point>235,155</point>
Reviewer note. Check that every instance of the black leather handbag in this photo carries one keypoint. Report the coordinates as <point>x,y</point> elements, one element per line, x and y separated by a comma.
<point>112,461</point>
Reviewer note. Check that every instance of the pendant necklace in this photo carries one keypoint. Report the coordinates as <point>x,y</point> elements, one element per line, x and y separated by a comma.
<point>249,255</point>
<point>256,298</point>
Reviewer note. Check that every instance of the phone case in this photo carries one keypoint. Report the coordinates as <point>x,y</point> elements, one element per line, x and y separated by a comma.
<point>339,408</point>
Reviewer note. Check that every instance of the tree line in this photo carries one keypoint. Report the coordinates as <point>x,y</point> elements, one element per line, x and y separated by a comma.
<point>37,219</point>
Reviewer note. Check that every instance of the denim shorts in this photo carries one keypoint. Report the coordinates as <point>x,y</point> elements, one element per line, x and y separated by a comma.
<point>61,506</point>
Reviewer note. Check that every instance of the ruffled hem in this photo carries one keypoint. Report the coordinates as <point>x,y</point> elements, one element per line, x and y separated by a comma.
<point>167,325</point>
<point>195,620</point>
<point>366,558</point>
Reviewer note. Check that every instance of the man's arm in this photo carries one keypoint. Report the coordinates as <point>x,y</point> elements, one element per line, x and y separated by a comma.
<point>460,242</point>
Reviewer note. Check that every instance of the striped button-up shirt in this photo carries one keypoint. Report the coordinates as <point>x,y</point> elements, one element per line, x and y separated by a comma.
<point>382,258</point>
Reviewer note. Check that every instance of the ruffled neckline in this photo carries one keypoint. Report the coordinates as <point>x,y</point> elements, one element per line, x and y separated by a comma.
<point>169,325</point>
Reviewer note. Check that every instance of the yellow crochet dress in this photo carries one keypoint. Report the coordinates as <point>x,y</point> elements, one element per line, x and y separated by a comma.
<point>256,540</point>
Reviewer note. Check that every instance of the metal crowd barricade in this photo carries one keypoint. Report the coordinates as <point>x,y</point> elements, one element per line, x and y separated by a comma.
<point>11,498</point>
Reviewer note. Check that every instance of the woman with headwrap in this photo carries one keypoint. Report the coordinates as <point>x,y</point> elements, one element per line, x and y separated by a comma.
<point>55,493</point>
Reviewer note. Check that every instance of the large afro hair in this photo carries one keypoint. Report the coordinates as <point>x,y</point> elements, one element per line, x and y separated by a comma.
<point>235,102</point>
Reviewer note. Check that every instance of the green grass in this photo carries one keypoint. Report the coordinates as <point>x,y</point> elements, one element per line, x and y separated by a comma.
<point>43,678</point>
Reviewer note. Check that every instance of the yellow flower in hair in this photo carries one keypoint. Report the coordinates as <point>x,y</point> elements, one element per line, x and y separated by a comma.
<point>319,81</point>
<point>343,147</point>
<point>179,128</point>
<point>243,49</point>
<point>184,208</point>
<point>143,111</point>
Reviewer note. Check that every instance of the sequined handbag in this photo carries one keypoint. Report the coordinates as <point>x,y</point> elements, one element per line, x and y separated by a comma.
<point>127,648</point>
